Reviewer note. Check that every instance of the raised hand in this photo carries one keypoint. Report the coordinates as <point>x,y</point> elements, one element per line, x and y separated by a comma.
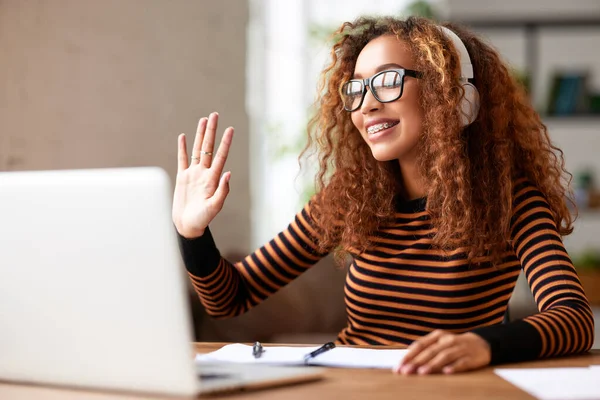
<point>200,187</point>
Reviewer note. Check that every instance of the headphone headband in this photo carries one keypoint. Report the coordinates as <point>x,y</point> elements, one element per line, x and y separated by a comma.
<point>469,104</point>
<point>466,68</point>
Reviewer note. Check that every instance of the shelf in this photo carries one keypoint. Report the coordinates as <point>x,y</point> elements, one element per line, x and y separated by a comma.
<point>551,22</point>
<point>571,118</point>
<point>531,27</point>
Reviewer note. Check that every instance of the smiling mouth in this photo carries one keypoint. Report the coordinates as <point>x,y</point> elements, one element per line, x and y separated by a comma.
<point>379,127</point>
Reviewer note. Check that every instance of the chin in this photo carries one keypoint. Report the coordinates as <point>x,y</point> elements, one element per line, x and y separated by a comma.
<point>383,153</point>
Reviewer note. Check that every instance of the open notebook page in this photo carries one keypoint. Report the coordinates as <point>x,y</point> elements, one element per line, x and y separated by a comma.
<point>348,357</point>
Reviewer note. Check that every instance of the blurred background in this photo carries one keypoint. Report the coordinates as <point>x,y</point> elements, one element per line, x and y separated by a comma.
<point>88,84</point>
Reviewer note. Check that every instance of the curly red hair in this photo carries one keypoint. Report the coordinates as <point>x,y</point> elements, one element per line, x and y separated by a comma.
<point>469,172</point>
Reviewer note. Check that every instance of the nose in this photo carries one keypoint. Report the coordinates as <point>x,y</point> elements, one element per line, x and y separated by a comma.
<point>370,103</point>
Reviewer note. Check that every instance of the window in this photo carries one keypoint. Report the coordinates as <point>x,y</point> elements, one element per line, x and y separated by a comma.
<point>284,61</point>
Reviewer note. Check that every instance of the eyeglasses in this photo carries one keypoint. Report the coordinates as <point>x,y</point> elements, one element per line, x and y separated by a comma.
<point>386,86</point>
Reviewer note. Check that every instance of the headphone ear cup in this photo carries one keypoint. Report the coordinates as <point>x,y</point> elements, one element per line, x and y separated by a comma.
<point>469,105</point>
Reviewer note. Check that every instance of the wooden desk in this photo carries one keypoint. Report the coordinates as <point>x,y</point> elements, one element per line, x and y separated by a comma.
<point>347,384</point>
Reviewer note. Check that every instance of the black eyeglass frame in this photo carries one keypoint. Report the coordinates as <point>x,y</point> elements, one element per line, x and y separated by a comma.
<point>366,82</point>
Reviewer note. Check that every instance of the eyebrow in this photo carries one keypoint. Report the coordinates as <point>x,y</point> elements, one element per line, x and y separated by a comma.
<point>380,68</point>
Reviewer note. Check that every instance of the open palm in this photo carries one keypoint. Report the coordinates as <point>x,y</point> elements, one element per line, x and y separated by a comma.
<point>200,187</point>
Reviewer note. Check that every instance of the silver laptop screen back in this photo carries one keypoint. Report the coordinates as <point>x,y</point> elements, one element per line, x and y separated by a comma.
<point>91,288</point>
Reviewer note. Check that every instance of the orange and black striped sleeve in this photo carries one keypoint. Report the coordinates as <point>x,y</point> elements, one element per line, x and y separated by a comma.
<point>565,323</point>
<point>228,289</point>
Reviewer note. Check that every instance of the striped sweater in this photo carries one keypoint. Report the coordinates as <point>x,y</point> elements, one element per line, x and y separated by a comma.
<point>401,288</point>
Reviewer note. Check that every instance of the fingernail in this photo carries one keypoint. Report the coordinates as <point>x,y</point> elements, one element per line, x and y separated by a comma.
<point>447,370</point>
<point>407,369</point>
<point>423,370</point>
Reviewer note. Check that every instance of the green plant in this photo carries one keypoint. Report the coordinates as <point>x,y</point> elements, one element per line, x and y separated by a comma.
<point>587,259</point>
<point>421,8</point>
<point>522,77</point>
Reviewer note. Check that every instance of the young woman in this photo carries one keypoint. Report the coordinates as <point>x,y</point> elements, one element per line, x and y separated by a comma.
<point>438,179</point>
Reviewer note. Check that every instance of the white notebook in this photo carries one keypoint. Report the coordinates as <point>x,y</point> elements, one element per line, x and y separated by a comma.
<point>346,357</point>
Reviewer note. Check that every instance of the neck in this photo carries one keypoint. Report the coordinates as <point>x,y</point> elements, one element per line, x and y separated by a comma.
<point>412,183</point>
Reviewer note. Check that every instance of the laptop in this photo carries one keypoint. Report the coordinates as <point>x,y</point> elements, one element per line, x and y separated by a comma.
<point>93,292</point>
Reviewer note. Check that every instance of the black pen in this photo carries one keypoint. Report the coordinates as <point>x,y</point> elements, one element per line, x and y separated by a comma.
<point>257,350</point>
<point>326,347</point>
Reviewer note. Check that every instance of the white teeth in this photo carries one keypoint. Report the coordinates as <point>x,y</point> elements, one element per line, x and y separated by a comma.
<point>379,127</point>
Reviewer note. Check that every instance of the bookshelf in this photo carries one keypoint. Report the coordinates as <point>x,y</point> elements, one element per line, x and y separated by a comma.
<point>532,31</point>
<point>578,135</point>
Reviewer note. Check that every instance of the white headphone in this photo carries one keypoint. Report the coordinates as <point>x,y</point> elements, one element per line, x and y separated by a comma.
<point>469,105</point>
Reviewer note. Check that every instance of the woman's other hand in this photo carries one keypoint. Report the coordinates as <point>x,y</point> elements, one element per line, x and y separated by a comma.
<point>201,187</point>
<point>445,352</point>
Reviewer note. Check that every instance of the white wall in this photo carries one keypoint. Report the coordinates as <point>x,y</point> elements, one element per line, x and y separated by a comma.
<point>111,83</point>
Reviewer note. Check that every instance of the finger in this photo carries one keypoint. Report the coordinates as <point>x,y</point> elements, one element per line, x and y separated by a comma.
<point>198,140</point>
<point>223,190</point>
<point>441,360</point>
<point>423,358</point>
<point>221,156</point>
<point>445,341</point>
<point>182,162</point>
<point>461,365</point>
<point>208,143</point>
<point>418,345</point>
